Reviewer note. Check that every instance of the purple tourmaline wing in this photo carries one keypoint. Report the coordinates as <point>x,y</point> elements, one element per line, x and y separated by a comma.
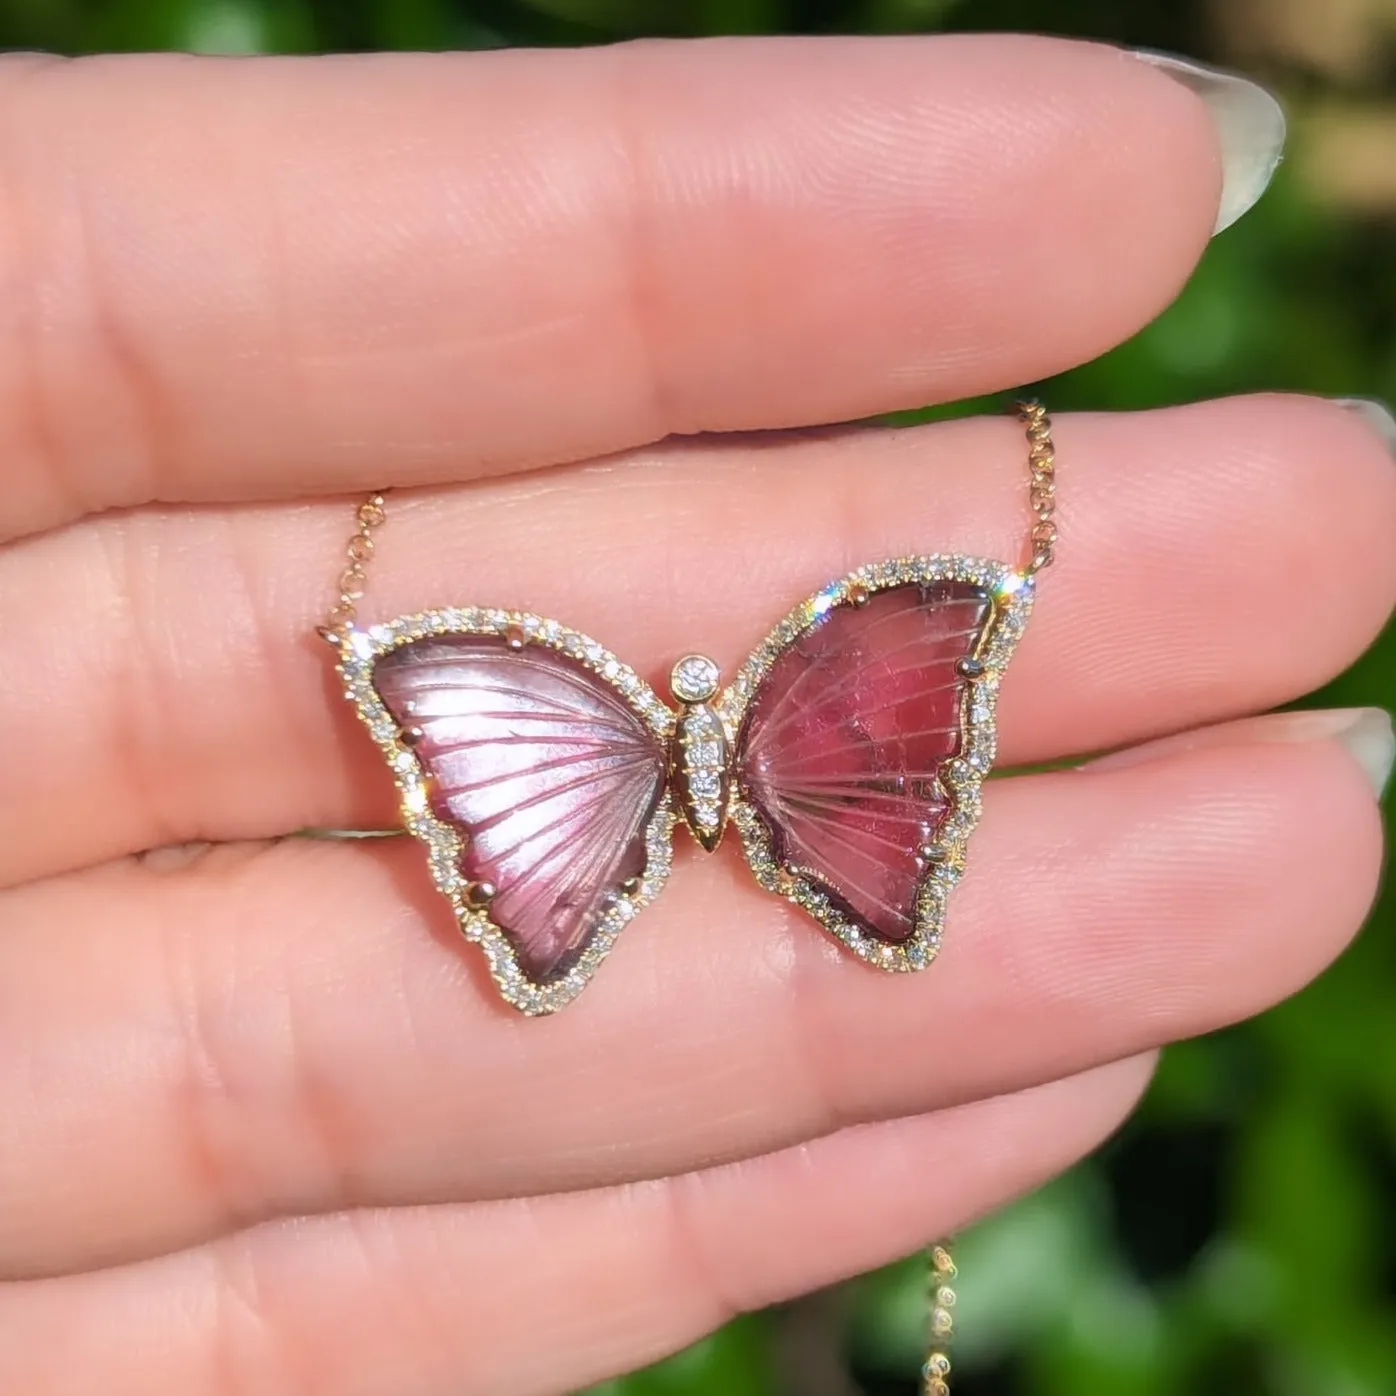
<point>545,771</point>
<point>842,745</point>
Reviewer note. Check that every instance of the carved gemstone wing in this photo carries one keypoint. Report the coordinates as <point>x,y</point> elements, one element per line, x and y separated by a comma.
<point>547,773</point>
<point>843,743</point>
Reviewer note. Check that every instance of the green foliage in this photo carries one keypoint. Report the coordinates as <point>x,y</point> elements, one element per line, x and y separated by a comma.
<point>736,1361</point>
<point>1235,1241</point>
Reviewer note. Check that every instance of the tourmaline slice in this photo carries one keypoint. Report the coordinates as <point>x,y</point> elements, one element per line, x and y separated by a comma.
<point>543,768</point>
<point>843,742</point>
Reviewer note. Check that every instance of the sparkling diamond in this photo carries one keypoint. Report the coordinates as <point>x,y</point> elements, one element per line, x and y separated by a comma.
<point>694,679</point>
<point>701,724</point>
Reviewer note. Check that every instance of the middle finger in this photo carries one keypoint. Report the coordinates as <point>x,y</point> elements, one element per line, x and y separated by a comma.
<point>168,682</point>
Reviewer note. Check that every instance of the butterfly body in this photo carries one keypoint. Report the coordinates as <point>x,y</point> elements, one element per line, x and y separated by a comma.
<point>700,765</point>
<point>546,777</point>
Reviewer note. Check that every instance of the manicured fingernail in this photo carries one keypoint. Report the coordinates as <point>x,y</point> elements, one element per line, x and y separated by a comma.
<point>1376,414</point>
<point>1365,733</point>
<point>1250,126</point>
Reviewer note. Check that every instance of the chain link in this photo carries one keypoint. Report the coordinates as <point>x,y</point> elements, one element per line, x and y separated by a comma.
<point>940,1319</point>
<point>1042,486</point>
<point>358,553</point>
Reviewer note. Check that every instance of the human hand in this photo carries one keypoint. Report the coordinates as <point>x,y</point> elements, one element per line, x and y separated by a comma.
<point>269,1130</point>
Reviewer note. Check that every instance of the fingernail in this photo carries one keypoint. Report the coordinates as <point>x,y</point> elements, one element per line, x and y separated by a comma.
<point>1370,740</point>
<point>1376,414</point>
<point>1366,734</point>
<point>1250,125</point>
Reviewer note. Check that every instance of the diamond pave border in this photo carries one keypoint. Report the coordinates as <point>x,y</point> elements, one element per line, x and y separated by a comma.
<point>360,649</point>
<point>1012,592</point>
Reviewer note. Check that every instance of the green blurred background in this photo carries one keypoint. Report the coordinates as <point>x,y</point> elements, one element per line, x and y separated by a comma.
<point>1240,1237</point>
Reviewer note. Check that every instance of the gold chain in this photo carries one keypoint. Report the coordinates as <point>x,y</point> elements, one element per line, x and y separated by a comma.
<point>358,552</point>
<point>1042,487</point>
<point>1042,499</point>
<point>940,1319</point>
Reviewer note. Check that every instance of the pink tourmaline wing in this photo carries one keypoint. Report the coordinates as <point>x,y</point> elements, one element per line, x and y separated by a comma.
<point>545,770</point>
<point>842,745</point>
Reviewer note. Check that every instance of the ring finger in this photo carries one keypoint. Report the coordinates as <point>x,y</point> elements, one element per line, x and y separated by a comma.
<point>538,1295</point>
<point>280,1031</point>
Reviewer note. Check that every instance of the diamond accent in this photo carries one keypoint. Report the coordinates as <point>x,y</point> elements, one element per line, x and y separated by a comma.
<point>700,763</point>
<point>694,679</point>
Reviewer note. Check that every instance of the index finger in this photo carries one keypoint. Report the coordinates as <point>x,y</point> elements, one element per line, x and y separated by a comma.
<point>271,278</point>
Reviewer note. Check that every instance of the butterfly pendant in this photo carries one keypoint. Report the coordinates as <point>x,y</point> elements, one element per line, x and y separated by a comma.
<point>546,778</point>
